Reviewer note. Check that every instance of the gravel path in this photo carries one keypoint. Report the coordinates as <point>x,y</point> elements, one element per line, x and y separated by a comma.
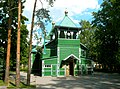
<point>95,81</point>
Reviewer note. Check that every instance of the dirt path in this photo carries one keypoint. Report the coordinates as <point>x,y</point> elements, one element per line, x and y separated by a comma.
<point>95,81</point>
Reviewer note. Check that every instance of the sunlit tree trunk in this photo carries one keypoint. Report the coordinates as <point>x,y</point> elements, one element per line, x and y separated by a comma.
<point>8,50</point>
<point>18,46</point>
<point>30,46</point>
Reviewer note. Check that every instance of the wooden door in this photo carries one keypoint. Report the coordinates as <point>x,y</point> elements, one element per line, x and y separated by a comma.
<point>71,68</point>
<point>67,70</point>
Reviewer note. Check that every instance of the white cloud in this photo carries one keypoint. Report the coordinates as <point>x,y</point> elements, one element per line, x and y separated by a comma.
<point>73,7</point>
<point>76,6</point>
<point>29,4</point>
<point>57,11</point>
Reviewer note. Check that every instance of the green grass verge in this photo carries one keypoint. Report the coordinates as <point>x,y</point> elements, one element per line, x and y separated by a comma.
<point>2,83</point>
<point>22,85</point>
<point>12,85</point>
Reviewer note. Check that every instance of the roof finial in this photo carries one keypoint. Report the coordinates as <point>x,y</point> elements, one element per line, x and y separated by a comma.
<point>53,23</point>
<point>66,12</point>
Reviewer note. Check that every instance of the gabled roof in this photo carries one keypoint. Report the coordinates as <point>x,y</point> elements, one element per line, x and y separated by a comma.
<point>67,22</point>
<point>72,55</point>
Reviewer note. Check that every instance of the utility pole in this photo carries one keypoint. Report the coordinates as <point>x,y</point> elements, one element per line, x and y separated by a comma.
<point>30,46</point>
<point>18,46</point>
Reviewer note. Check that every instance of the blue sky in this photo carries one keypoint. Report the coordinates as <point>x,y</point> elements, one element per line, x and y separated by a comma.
<point>77,10</point>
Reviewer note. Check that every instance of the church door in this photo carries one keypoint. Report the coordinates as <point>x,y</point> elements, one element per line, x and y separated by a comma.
<point>70,68</point>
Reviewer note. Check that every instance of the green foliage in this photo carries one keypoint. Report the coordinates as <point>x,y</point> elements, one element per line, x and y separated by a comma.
<point>2,83</point>
<point>108,33</point>
<point>43,18</point>
<point>87,37</point>
<point>85,32</point>
<point>24,44</point>
<point>23,47</point>
<point>50,2</point>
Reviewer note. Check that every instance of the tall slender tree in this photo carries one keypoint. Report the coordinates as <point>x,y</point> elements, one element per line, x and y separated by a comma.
<point>30,46</point>
<point>8,19</point>
<point>8,44</point>
<point>31,31</point>
<point>18,46</point>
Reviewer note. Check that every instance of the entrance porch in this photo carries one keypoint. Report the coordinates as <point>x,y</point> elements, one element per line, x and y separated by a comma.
<point>70,64</point>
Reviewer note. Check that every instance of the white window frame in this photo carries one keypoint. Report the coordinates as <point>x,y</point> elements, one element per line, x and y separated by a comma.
<point>47,66</point>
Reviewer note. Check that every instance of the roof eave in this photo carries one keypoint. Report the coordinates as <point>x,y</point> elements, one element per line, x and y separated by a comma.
<point>58,26</point>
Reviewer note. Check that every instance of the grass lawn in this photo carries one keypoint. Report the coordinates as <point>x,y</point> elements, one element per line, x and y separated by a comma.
<point>2,83</point>
<point>22,85</point>
<point>12,85</point>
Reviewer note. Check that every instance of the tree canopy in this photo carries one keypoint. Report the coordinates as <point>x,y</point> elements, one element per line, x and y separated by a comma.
<point>4,16</point>
<point>87,37</point>
<point>108,33</point>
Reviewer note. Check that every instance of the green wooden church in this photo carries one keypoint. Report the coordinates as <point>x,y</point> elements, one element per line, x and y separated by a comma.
<point>65,55</point>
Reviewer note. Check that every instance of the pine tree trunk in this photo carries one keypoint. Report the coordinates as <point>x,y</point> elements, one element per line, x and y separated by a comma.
<point>30,46</point>
<point>18,46</point>
<point>8,50</point>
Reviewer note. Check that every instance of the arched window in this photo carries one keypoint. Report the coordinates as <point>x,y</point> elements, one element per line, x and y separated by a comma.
<point>68,35</point>
<point>74,35</point>
<point>62,35</point>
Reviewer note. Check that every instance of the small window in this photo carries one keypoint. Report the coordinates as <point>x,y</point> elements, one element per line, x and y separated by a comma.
<point>68,35</point>
<point>47,66</point>
<point>62,35</point>
<point>74,35</point>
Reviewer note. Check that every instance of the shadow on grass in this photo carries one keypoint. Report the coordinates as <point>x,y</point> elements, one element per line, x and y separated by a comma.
<point>11,85</point>
<point>22,85</point>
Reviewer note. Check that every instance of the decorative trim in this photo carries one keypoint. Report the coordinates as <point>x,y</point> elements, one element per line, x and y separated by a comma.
<point>65,69</point>
<point>42,67</point>
<point>58,60</point>
<point>51,69</point>
<point>70,56</point>
<point>71,35</point>
<point>58,54</point>
<point>65,32</point>
<point>58,33</point>
<point>79,55</point>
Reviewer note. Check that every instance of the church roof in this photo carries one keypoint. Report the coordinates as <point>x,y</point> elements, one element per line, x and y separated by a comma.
<point>67,22</point>
<point>34,50</point>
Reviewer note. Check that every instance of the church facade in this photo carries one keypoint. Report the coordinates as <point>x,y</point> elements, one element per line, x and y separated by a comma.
<point>65,55</point>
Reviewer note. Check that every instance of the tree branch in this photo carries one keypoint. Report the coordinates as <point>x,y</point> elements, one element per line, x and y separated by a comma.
<point>13,8</point>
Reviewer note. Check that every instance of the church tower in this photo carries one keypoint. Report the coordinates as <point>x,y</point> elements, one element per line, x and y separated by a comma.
<point>68,46</point>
